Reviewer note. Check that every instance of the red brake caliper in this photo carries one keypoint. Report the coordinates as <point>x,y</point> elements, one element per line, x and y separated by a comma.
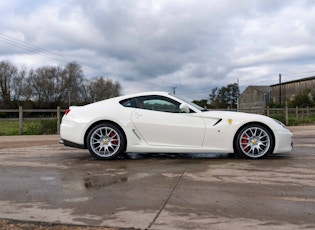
<point>245,142</point>
<point>112,134</point>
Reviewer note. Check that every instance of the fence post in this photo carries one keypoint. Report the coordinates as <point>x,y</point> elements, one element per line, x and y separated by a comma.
<point>286,115</point>
<point>268,112</point>
<point>20,120</point>
<point>297,113</point>
<point>58,119</point>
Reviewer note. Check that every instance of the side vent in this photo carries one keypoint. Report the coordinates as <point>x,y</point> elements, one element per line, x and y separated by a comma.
<point>217,122</point>
<point>135,132</point>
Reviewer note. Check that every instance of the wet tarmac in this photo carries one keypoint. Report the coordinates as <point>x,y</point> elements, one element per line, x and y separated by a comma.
<point>52,183</point>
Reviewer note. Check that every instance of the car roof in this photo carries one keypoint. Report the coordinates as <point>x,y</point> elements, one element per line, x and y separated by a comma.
<point>143,94</point>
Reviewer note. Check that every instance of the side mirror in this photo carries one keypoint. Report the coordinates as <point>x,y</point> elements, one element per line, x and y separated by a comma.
<point>184,108</point>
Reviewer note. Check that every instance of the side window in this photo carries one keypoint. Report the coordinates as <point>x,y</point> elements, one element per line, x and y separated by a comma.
<point>153,102</point>
<point>158,103</point>
<point>129,103</point>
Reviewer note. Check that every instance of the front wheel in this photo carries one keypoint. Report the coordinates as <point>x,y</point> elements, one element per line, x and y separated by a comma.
<point>254,141</point>
<point>105,141</point>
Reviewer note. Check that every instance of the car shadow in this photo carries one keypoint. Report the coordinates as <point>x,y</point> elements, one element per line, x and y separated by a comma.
<point>140,156</point>
<point>192,156</point>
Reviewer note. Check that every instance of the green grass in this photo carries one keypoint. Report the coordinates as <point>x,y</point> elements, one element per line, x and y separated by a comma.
<point>9,128</point>
<point>293,120</point>
<point>38,127</point>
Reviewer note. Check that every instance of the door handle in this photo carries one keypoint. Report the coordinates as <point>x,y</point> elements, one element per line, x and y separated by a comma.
<point>137,115</point>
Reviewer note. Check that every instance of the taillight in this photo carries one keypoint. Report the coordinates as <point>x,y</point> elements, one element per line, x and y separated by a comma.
<point>67,111</point>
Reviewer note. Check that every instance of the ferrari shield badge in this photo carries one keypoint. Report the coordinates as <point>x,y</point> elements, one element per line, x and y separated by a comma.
<point>230,121</point>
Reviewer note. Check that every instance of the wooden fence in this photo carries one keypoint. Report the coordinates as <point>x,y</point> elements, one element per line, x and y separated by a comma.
<point>299,115</point>
<point>20,112</point>
<point>289,116</point>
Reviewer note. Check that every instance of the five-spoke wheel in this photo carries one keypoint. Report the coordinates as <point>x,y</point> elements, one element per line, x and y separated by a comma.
<point>254,141</point>
<point>105,141</point>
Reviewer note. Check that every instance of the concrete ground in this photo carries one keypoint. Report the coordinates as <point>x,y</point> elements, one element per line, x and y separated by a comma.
<point>44,182</point>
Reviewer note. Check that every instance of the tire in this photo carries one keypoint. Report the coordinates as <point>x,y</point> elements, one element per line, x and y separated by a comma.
<point>106,141</point>
<point>254,141</point>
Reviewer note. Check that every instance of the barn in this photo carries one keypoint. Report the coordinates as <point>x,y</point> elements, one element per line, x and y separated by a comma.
<point>258,97</point>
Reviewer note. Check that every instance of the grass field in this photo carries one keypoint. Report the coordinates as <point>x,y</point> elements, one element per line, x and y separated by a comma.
<point>38,127</point>
<point>9,128</point>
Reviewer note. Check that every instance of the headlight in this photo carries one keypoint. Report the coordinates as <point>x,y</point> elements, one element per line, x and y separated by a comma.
<point>280,123</point>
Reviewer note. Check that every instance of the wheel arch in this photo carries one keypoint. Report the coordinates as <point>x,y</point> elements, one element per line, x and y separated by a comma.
<point>254,123</point>
<point>100,122</point>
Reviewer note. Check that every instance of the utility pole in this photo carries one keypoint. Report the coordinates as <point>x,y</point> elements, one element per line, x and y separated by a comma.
<point>69,97</point>
<point>174,88</point>
<point>280,89</point>
<point>238,94</point>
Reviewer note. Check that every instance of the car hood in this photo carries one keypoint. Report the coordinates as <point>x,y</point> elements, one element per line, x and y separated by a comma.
<point>229,114</point>
<point>238,117</point>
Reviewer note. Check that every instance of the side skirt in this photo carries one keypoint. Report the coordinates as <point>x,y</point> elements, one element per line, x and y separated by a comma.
<point>71,144</point>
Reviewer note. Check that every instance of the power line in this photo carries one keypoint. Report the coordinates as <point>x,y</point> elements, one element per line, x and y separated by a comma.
<point>294,74</point>
<point>37,50</point>
<point>34,49</point>
<point>198,92</point>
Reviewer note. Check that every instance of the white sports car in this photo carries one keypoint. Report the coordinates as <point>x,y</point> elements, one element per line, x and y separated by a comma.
<point>161,122</point>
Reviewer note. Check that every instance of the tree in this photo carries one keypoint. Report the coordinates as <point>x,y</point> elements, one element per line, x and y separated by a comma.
<point>56,84</point>
<point>302,100</point>
<point>72,82</point>
<point>19,85</point>
<point>225,96</point>
<point>7,73</point>
<point>100,89</point>
<point>232,92</point>
<point>45,83</point>
<point>203,103</point>
<point>52,85</point>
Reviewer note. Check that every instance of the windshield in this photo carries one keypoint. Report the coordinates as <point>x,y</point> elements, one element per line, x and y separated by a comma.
<point>191,103</point>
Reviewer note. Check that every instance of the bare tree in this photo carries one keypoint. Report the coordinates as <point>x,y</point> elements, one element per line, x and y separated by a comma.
<point>100,89</point>
<point>56,84</point>
<point>72,82</point>
<point>50,84</point>
<point>45,84</point>
<point>7,73</point>
<point>19,84</point>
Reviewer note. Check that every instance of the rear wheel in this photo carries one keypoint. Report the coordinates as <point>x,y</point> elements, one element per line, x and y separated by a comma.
<point>254,141</point>
<point>106,141</point>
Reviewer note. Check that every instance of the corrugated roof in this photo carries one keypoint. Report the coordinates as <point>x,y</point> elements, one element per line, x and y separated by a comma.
<point>298,80</point>
<point>260,88</point>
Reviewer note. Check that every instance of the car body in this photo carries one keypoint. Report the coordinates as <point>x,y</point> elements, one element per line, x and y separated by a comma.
<point>161,122</point>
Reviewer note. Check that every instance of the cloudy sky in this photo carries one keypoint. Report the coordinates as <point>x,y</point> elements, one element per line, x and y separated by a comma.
<point>193,45</point>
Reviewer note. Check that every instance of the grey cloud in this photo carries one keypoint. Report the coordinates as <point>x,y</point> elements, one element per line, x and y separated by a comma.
<point>192,44</point>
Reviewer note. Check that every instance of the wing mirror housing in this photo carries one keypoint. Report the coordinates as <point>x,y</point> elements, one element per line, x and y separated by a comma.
<point>184,108</point>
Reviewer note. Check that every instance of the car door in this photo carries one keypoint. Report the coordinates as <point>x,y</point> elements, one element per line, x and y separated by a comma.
<point>160,122</point>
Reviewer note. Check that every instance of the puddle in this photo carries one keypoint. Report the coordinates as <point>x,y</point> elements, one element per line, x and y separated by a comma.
<point>101,182</point>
